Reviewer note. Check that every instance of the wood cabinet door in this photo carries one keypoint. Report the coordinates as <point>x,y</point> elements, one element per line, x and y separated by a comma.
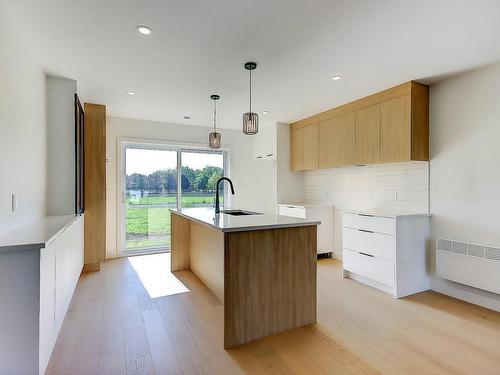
<point>297,149</point>
<point>368,135</point>
<point>337,141</point>
<point>311,147</point>
<point>395,134</point>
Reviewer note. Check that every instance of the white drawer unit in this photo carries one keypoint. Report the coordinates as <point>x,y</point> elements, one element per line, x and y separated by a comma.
<point>368,222</point>
<point>373,243</point>
<point>314,212</point>
<point>386,251</point>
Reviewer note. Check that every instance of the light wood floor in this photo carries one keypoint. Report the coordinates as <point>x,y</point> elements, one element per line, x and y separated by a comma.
<point>114,326</point>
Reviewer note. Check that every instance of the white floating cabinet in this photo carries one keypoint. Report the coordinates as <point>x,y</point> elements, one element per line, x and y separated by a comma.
<point>40,264</point>
<point>61,262</point>
<point>314,212</point>
<point>264,143</point>
<point>386,251</point>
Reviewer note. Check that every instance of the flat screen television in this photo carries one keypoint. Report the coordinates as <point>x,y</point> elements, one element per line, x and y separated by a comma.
<point>79,157</point>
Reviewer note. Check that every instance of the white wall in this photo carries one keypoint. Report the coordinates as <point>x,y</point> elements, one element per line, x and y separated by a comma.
<point>22,131</point>
<point>465,167</point>
<point>60,146</point>
<point>250,177</point>
<point>369,187</point>
<point>290,183</point>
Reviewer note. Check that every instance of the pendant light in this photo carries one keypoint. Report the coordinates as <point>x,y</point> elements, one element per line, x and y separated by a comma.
<point>214,138</point>
<point>250,119</point>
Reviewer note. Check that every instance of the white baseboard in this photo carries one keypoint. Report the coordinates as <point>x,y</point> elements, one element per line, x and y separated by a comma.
<point>466,293</point>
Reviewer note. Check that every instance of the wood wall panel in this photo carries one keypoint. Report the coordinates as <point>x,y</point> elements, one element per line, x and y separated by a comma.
<point>206,254</point>
<point>95,185</point>
<point>270,283</point>
<point>368,135</point>
<point>180,242</point>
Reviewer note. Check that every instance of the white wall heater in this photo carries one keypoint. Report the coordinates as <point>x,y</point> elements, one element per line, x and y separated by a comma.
<point>469,264</point>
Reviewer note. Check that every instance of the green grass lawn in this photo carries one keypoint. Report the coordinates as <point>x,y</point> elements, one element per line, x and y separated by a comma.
<point>187,200</point>
<point>150,226</point>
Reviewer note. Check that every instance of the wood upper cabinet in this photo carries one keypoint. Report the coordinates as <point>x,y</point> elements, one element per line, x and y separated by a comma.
<point>387,127</point>
<point>395,130</point>
<point>368,135</point>
<point>311,147</point>
<point>337,141</point>
<point>297,149</point>
<point>304,148</point>
<point>405,126</point>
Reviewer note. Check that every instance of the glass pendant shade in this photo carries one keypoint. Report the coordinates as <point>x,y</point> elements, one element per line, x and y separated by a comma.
<point>250,123</point>
<point>214,140</point>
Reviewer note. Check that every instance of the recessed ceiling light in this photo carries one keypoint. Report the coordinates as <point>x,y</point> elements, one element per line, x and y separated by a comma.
<point>265,112</point>
<point>144,30</point>
<point>336,78</point>
<point>187,117</point>
<point>131,93</point>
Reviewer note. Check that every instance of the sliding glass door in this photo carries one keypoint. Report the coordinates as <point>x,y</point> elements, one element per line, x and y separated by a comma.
<point>150,180</point>
<point>200,172</point>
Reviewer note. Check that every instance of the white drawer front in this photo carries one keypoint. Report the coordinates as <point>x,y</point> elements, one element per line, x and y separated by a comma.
<point>373,268</point>
<point>298,212</point>
<point>378,244</point>
<point>378,224</point>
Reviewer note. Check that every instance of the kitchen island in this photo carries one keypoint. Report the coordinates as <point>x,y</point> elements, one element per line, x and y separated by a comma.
<point>262,267</point>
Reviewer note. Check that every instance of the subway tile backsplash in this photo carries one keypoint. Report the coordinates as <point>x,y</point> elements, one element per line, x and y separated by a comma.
<point>401,186</point>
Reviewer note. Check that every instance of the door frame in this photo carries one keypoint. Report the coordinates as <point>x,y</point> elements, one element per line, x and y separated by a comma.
<point>123,143</point>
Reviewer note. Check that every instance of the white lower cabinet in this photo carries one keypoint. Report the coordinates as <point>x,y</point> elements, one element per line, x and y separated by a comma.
<point>61,262</point>
<point>314,212</point>
<point>386,252</point>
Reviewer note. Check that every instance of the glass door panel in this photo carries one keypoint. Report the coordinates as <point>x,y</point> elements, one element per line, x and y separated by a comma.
<point>151,190</point>
<point>200,172</point>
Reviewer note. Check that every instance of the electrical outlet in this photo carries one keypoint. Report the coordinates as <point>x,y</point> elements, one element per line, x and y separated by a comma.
<point>14,202</point>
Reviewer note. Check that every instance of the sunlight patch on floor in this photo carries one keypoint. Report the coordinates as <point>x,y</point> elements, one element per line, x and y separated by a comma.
<point>154,273</point>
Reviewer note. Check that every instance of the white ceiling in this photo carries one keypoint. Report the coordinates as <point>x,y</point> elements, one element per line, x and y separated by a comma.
<point>198,48</point>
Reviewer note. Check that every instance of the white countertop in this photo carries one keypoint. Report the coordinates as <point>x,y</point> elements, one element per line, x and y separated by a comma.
<point>34,234</point>
<point>303,205</point>
<point>385,213</point>
<point>229,223</point>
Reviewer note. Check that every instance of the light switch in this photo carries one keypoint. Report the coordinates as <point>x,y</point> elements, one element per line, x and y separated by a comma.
<point>14,202</point>
<point>393,195</point>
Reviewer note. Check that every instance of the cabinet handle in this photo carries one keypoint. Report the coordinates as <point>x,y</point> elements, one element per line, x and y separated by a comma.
<point>367,215</point>
<point>365,254</point>
<point>259,157</point>
<point>366,231</point>
<point>269,154</point>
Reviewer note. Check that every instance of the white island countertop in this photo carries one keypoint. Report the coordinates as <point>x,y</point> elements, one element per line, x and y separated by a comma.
<point>230,223</point>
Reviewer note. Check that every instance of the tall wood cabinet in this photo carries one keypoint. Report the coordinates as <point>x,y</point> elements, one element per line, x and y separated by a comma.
<point>95,186</point>
<point>388,127</point>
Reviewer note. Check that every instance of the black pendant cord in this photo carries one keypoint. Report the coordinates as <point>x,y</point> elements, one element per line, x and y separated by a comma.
<point>215,115</point>
<point>250,91</point>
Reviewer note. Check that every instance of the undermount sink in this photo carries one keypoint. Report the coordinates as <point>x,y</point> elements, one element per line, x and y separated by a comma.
<point>239,212</point>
